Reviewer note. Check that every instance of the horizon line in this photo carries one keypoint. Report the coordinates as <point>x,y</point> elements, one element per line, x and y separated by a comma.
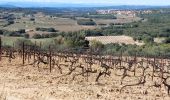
<point>90,4</point>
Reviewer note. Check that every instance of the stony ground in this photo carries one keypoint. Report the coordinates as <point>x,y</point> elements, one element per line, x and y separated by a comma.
<point>19,82</point>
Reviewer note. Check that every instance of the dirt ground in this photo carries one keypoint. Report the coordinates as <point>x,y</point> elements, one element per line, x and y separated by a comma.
<point>30,83</point>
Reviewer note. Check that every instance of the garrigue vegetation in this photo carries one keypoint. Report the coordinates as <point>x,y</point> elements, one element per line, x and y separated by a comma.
<point>67,59</point>
<point>80,65</point>
<point>102,16</point>
<point>151,26</point>
<point>46,29</point>
<point>155,25</point>
<point>86,22</point>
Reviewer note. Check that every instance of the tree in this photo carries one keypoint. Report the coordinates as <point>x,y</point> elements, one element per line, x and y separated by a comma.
<point>19,43</point>
<point>26,36</point>
<point>10,22</point>
<point>1,32</point>
<point>46,29</point>
<point>37,36</point>
<point>59,40</point>
<point>167,40</point>
<point>32,19</point>
<point>21,30</point>
<point>96,45</point>
<point>86,22</point>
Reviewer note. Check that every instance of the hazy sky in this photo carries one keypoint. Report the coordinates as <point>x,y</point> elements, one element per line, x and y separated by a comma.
<point>113,2</point>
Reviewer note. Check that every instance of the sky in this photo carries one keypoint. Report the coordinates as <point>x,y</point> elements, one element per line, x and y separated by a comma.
<point>110,2</point>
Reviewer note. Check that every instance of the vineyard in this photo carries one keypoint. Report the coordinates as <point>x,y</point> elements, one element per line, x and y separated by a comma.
<point>86,65</point>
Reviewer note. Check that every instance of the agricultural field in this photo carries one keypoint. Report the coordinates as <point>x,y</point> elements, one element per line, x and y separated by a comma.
<point>78,54</point>
<point>10,41</point>
<point>114,39</point>
<point>61,24</point>
<point>32,81</point>
<point>119,19</point>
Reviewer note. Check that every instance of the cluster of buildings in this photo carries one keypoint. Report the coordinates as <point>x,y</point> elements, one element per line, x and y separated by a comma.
<point>131,13</point>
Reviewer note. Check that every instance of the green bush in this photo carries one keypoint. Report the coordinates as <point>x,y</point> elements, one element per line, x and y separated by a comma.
<point>21,31</point>
<point>1,32</point>
<point>59,40</point>
<point>167,40</point>
<point>37,36</point>
<point>26,36</point>
<point>19,43</point>
<point>32,19</point>
<point>12,33</point>
<point>46,29</point>
<point>96,45</point>
<point>10,22</point>
<point>86,22</point>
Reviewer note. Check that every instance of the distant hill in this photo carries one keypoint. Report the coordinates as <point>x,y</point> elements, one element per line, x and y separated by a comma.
<point>135,7</point>
<point>68,5</point>
<point>7,6</point>
<point>53,5</point>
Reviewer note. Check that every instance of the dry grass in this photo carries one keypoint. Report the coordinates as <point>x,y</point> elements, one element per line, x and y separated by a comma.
<point>114,39</point>
<point>119,19</point>
<point>159,40</point>
<point>61,24</point>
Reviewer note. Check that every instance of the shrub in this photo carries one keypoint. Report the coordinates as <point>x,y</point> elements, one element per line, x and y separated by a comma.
<point>45,36</point>
<point>19,43</point>
<point>86,22</point>
<point>12,33</point>
<point>37,36</point>
<point>21,31</point>
<point>26,36</point>
<point>1,32</point>
<point>32,19</point>
<point>53,34</point>
<point>10,22</point>
<point>59,40</point>
<point>46,29</point>
<point>167,40</point>
<point>96,45</point>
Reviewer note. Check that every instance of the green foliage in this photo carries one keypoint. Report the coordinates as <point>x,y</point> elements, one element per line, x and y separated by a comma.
<point>37,36</point>
<point>19,43</point>
<point>45,36</point>
<point>27,36</point>
<point>53,35</point>
<point>32,19</point>
<point>95,32</point>
<point>156,25</point>
<point>21,31</point>
<point>1,32</point>
<point>71,40</point>
<point>145,50</point>
<point>12,33</point>
<point>46,29</point>
<point>85,22</point>
<point>101,16</point>
<point>10,22</point>
<point>41,36</point>
<point>96,45</point>
<point>59,40</point>
<point>167,40</point>
<point>75,39</point>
